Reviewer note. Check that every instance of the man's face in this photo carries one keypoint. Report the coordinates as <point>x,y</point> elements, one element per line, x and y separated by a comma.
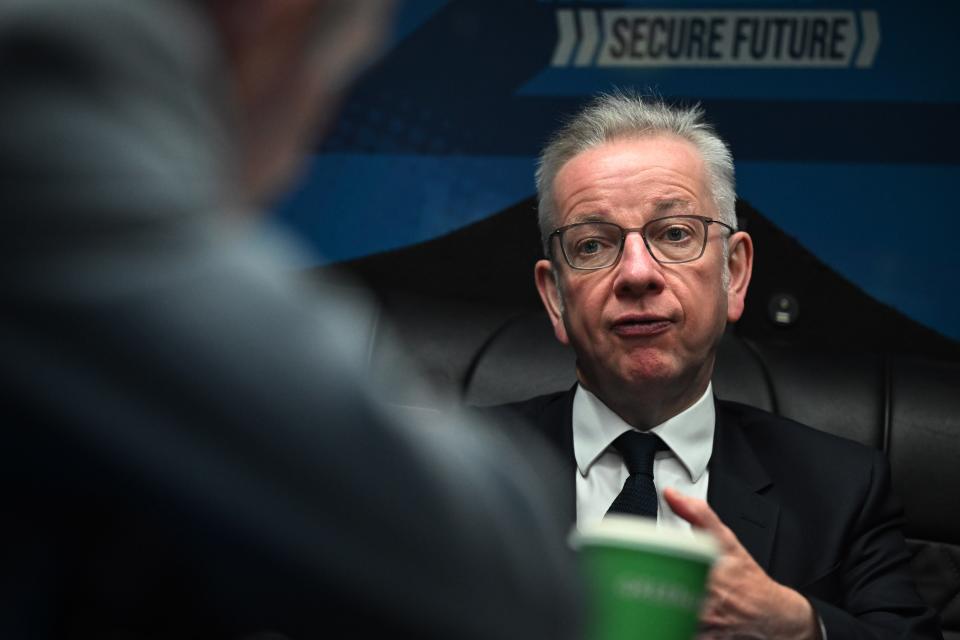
<point>640,328</point>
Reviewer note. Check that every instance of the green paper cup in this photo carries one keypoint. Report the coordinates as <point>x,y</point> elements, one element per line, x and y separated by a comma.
<point>643,581</point>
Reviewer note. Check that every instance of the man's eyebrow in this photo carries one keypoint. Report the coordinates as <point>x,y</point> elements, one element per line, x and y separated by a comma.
<point>672,204</point>
<point>593,216</point>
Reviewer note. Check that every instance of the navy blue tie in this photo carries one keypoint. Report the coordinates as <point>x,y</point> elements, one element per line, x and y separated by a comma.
<point>639,494</point>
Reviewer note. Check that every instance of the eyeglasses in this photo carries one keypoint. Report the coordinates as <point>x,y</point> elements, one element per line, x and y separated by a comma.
<point>670,240</point>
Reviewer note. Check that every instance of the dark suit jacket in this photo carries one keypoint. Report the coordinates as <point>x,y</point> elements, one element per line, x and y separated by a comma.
<point>814,510</point>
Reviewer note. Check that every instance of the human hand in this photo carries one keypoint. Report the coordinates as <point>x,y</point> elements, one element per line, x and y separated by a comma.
<point>742,600</point>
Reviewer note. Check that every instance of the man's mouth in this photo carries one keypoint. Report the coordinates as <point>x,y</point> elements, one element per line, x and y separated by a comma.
<point>640,326</point>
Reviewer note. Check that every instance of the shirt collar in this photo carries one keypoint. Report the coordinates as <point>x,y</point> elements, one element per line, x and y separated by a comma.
<point>689,434</point>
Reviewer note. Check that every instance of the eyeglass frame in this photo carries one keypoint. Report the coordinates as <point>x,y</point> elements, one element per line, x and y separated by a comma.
<point>624,232</point>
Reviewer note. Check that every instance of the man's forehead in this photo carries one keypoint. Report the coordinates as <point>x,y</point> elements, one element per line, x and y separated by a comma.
<point>661,174</point>
<point>654,144</point>
<point>637,153</point>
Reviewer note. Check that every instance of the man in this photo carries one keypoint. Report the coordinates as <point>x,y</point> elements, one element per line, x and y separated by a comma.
<point>645,267</point>
<point>190,449</point>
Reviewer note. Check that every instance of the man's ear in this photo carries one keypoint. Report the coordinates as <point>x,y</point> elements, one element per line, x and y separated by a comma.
<point>546,279</point>
<point>740,263</point>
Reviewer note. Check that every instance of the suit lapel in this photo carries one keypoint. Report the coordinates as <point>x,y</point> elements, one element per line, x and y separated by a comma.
<point>556,424</point>
<point>736,481</point>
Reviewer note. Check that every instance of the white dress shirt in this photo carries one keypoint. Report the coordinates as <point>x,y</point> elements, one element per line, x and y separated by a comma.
<point>601,471</point>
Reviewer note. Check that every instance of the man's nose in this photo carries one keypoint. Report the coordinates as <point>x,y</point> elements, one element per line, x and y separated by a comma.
<point>637,270</point>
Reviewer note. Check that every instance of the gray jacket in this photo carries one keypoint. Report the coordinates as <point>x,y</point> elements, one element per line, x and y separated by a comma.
<point>192,445</point>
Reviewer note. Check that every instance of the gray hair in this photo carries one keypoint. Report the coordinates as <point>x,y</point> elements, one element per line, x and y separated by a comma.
<point>620,115</point>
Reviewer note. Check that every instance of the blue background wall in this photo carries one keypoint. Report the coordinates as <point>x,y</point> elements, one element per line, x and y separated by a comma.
<point>849,144</point>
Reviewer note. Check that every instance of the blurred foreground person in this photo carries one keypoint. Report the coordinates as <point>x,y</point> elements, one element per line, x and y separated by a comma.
<point>190,450</point>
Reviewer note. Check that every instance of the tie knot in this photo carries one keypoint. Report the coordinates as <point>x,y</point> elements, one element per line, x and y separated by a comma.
<point>638,450</point>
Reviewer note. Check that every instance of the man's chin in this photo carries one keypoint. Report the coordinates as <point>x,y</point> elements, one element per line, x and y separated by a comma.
<point>632,379</point>
<point>649,368</point>
<point>637,371</point>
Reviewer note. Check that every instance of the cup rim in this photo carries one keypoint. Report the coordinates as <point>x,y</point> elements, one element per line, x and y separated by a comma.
<point>643,533</point>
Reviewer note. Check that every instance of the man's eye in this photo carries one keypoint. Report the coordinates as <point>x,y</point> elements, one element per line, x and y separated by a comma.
<point>590,246</point>
<point>675,234</point>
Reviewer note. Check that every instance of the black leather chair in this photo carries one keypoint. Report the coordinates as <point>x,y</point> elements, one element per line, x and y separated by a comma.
<point>908,408</point>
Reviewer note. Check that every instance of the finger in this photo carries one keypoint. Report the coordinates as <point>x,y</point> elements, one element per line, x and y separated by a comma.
<point>699,514</point>
<point>695,511</point>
